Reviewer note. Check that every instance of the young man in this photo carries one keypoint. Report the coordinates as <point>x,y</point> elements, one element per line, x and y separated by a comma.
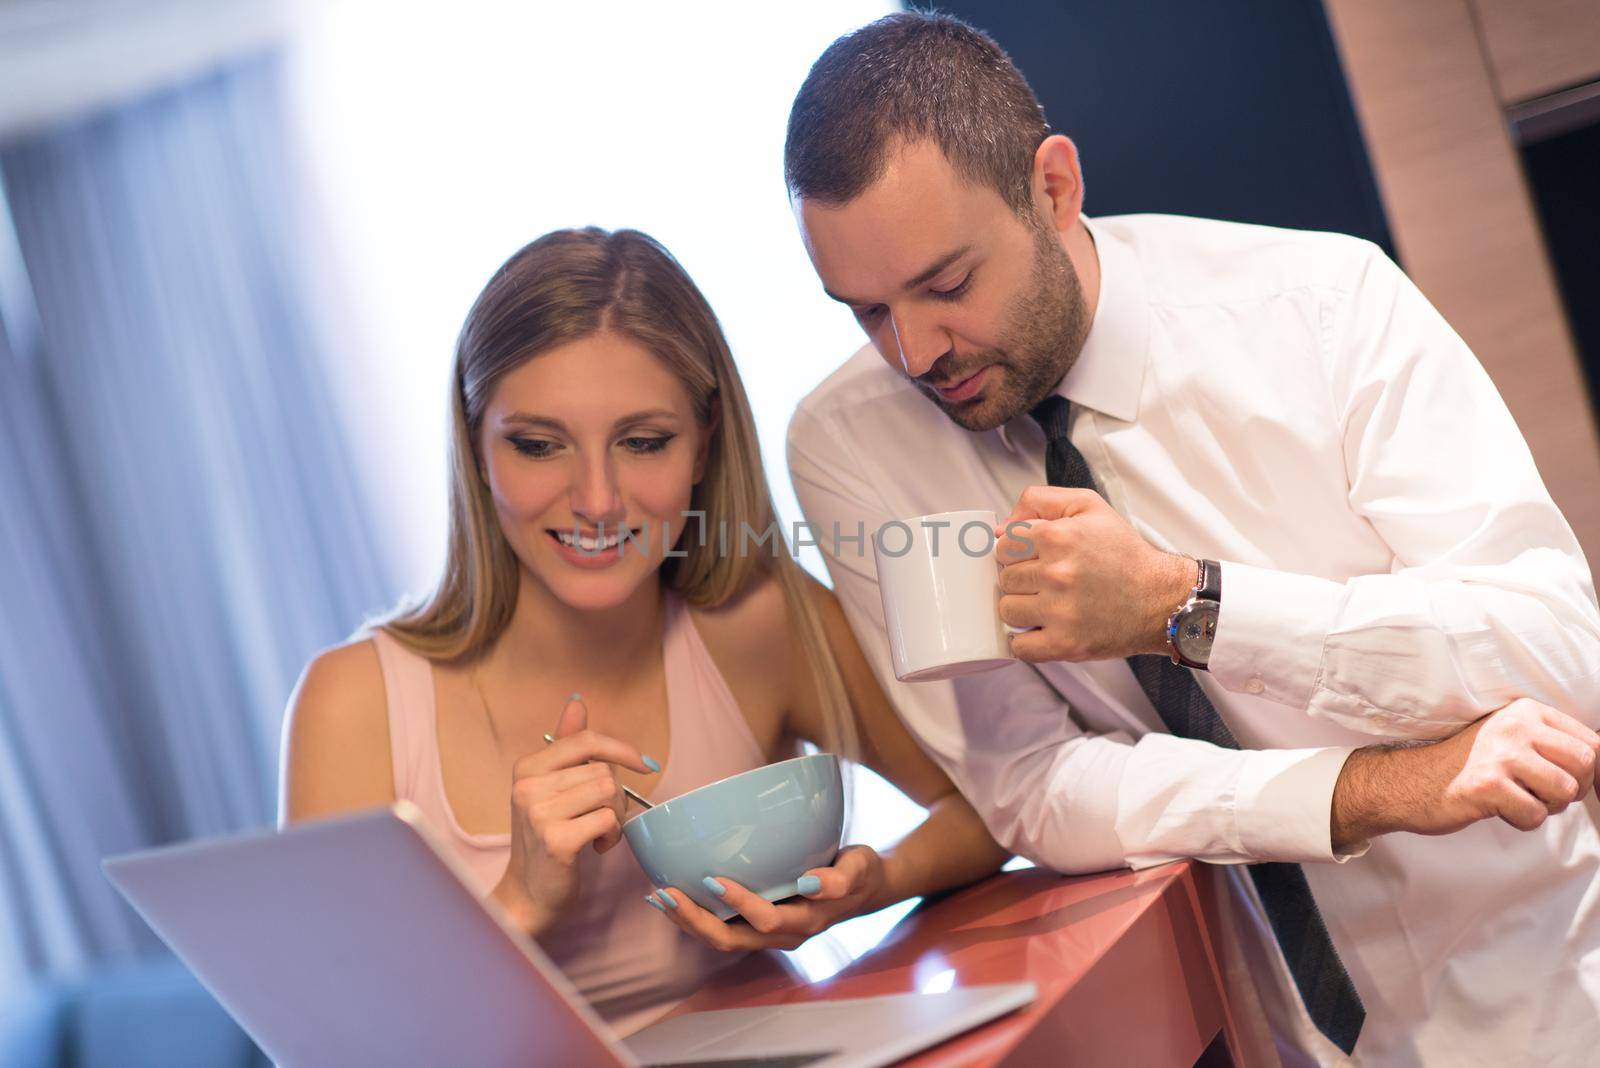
<point>1379,556</point>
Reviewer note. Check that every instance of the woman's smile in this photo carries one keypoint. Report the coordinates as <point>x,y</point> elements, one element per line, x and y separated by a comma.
<point>598,549</point>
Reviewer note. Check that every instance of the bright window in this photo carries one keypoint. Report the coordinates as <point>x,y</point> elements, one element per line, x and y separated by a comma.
<point>443,137</point>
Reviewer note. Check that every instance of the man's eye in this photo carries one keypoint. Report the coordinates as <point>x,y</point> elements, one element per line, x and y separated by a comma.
<point>533,447</point>
<point>867,315</point>
<point>644,446</point>
<point>954,291</point>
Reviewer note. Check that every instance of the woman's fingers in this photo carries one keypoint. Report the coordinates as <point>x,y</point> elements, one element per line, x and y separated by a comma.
<point>598,792</point>
<point>681,910</point>
<point>766,926</point>
<point>574,717</point>
<point>827,895</point>
<point>575,743</point>
<point>573,777</point>
<point>566,838</point>
<point>608,841</point>
<point>840,879</point>
<point>598,789</point>
<point>761,914</point>
<point>584,746</point>
<point>538,788</point>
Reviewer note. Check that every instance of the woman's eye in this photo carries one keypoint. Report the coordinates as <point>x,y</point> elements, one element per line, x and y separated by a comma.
<point>533,447</point>
<point>954,291</point>
<point>644,446</point>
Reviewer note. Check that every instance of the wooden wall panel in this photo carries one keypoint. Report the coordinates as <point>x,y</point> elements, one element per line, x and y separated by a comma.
<point>1464,226</point>
<point>1537,47</point>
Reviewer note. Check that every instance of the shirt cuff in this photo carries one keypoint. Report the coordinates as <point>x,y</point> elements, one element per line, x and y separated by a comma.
<point>1270,633</point>
<point>1284,804</point>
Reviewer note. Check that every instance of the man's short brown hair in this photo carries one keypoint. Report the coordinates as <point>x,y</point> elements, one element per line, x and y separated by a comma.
<point>909,77</point>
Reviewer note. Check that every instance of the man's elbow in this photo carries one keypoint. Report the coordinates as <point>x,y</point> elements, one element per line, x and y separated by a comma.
<point>1047,834</point>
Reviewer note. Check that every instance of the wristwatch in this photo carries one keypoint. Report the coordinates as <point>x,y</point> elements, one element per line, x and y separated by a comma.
<point>1193,627</point>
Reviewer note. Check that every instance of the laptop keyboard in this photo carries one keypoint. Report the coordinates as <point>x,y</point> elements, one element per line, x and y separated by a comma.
<point>784,1060</point>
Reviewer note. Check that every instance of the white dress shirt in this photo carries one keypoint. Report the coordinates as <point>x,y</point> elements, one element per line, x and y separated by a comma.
<point>1289,404</point>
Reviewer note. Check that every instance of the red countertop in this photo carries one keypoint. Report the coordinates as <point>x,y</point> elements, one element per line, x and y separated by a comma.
<point>1124,963</point>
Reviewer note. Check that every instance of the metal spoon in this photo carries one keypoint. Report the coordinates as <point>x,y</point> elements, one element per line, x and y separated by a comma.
<point>630,791</point>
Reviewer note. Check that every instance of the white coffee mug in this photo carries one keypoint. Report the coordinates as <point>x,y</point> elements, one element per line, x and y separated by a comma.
<point>940,584</point>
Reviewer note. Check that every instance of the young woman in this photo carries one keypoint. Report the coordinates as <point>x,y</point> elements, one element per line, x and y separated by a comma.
<point>594,395</point>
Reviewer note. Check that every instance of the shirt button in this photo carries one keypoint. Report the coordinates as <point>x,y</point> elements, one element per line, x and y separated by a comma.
<point>1254,685</point>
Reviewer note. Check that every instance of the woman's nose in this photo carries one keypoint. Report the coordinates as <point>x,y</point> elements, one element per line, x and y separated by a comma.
<point>596,497</point>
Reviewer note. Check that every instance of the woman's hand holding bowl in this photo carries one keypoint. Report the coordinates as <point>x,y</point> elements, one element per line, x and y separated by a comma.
<point>849,887</point>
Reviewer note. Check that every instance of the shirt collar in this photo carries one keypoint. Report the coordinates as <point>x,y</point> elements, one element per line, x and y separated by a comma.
<point>1109,373</point>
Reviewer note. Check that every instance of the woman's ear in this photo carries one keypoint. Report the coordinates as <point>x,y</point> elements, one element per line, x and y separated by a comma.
<point>713,423</point>
<point>1058,181</point>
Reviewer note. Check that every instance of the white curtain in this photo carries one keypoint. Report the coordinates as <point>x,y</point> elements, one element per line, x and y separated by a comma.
<point>181,527</point>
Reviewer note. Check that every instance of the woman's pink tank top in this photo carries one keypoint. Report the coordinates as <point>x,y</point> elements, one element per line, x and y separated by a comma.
<point>630,962</point>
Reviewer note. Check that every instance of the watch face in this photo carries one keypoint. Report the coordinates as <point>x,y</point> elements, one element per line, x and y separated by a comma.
<point>1197,629</point>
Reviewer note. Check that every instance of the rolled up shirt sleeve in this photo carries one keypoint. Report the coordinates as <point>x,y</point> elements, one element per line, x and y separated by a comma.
<point>1488,597</point>
<point>1064,797</point>
<point>1077,801</point>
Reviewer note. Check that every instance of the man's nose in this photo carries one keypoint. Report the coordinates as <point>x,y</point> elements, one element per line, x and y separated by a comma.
<point>919,346</point>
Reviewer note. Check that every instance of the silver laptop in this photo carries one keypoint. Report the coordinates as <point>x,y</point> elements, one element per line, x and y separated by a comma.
<point>357,940</point>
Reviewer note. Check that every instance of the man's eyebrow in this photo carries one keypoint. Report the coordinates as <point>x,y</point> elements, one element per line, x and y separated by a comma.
<point>922,279</point>
<point>933,270</point>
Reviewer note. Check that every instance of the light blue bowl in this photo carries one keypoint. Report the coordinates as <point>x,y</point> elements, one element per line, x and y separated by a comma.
<point>763,829</point>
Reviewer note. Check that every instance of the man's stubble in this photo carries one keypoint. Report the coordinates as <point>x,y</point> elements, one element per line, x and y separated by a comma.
<point>1044,332</point>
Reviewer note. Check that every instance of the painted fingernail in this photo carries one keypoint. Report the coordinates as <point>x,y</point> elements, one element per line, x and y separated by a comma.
<point>714,886</point>
<point>650,762</point>
<point>650,899</point>
<point>574,697</point>
<point>667,899</point>
<point>808,884</point>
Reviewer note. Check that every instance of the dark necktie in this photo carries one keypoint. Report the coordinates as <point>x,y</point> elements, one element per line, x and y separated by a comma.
<point>1330,998</point>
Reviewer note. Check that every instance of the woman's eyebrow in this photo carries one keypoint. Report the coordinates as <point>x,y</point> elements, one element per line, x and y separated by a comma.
<point>641,416</point>
<point>646,415</point>
<point>534,420</point>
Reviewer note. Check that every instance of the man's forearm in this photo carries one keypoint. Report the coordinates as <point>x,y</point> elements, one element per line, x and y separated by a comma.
<point>1520,763</point>
<point>1379,788</point>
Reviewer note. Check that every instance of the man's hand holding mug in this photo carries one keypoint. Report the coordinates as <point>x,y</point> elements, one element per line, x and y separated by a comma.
<point>1079,583</point>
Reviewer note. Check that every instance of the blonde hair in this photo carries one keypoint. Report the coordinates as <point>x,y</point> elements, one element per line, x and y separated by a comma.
<point>565,286</point>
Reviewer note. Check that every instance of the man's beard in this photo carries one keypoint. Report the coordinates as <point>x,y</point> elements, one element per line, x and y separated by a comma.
<point>1043,334</point>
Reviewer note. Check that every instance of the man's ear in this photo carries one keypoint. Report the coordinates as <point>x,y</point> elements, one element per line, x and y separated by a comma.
<point>1058,181</point>
<point>713,421</point>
